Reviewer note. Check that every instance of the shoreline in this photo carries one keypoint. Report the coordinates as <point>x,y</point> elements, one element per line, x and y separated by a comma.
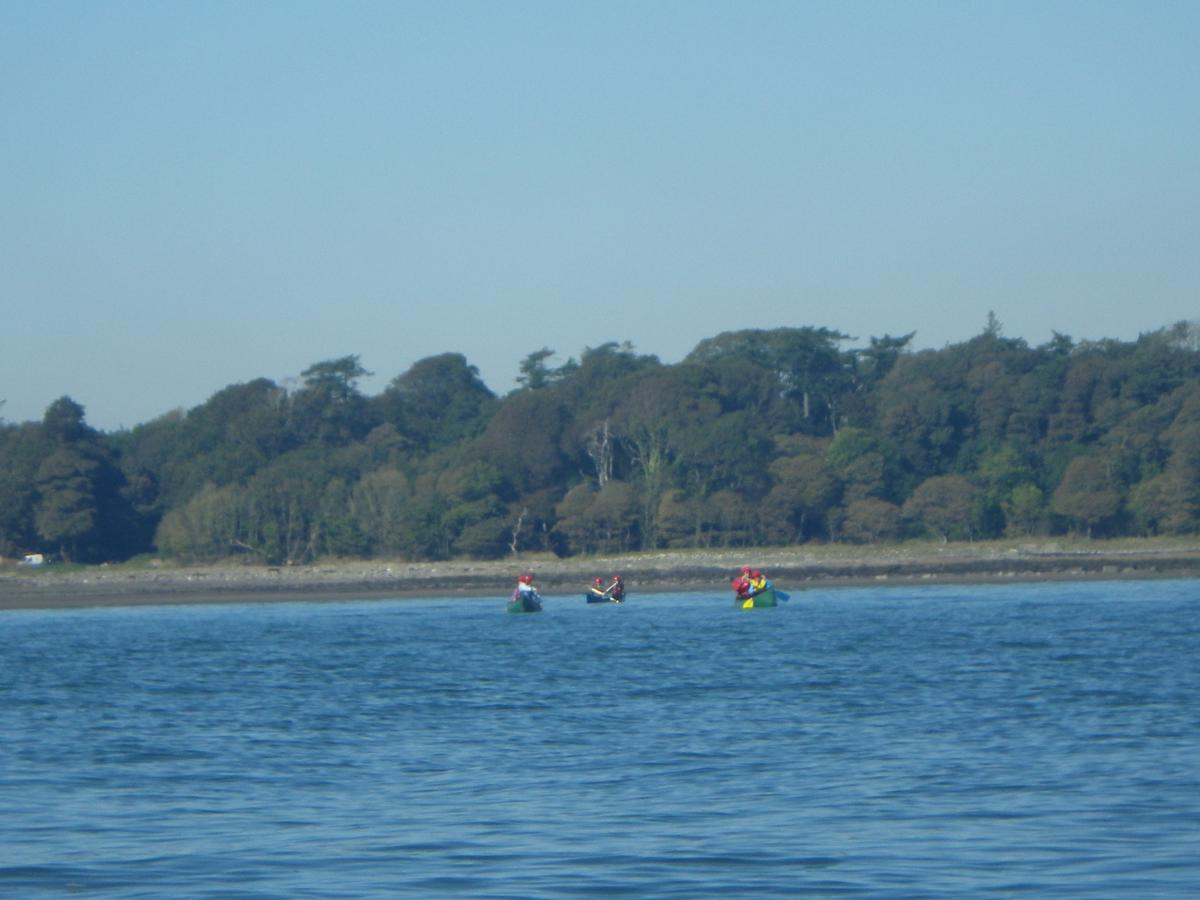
<point>792,569</point>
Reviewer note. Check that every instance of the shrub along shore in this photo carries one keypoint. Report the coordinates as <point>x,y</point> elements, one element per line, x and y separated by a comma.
<point>793,569</point>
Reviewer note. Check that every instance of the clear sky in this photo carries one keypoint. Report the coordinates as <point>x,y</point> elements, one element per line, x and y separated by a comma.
<point>196,194</point>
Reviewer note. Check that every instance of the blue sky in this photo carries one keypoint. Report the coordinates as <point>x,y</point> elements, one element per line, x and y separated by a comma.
<point>199,194</point>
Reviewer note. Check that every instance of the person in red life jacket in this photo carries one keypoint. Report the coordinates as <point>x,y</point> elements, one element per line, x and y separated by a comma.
<point>616,590</point>
<point>597,590</point>
<point>744,588</point>
<point>525,588</point>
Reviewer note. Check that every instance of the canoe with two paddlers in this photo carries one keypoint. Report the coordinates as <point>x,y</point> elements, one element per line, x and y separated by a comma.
<point>602,597</point>
<point>525,599</point>
<point>764,599</point>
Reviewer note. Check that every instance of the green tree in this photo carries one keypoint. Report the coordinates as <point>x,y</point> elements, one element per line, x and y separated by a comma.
<point>1004,468</point>
<point>337,531</point>
<point>805,488</point>
<point>1025,509</point>
<point>1171,499</point>
<point>598,368</point>
<point>280,512</point>
<point>678,518</point>
<point>205,528</point>
<point>63,422</point>
<point>998,473</point>
<point>1161,361</point>
<point>22,450</point>
<point>379,505</point>
<point>731,520</point>
<point>574,519</point>
<point>615,515</point>
<point>926,410</point>
<point>329,408</point>
<point>942,505</point>
<point>227,439</point>
<point>531,521</point>
<point>712,451</point>
<point>600,521</point>
<point>486,538</point>
<point>524,438</point>
<point>386,447</point>
<point>535,374</point>
<point>68,512</point>
<point>872,363</point>
<point>644,423</point>
<point>1086,494</point>
<point>422,533</point>
<point>80,509</point>
<point>807,364</point>
<point>870,520</point>
<point>472,492</point>
<point>1090,387</point>
<point>438,402</point>
<point>1164,504</point>
<point>863,464</point>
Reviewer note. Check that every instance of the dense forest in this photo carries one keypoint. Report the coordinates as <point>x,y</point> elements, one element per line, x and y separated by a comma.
<point>757,437</point>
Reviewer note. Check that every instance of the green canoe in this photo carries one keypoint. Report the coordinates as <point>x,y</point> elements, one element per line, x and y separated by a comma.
<point>761,600</point>
<point>525,604</point>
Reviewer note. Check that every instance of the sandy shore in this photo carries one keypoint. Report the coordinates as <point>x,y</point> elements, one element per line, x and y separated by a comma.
<point>793,569</point>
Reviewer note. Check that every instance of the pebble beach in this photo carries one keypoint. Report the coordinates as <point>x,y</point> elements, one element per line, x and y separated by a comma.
<point>793,569</point>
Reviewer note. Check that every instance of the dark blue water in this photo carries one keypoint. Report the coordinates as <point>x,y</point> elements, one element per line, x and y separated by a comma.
<point>1035,739</point>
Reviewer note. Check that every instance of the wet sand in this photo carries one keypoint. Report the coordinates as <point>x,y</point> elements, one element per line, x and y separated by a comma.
<point>791,569</point>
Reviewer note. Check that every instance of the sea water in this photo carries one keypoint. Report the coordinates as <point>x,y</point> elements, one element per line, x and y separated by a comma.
<point>1037,739</point>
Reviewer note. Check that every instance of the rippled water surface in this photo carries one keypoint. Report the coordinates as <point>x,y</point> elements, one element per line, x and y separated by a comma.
<point>1036,739</point>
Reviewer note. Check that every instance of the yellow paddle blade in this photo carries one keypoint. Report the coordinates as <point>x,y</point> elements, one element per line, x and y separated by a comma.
<point>748,604</point>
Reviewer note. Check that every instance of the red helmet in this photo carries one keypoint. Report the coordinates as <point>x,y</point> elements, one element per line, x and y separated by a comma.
<point>616,578</point>
<point>526,579</point>
<point>745,570</point>
<point>596,581</point>
<point>756,574</point>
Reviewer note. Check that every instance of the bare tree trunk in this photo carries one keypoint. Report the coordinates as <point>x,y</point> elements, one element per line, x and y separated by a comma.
<point>599,448</point>
<point>516,532</point>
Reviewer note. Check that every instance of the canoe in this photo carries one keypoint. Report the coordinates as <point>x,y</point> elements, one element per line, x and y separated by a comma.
<point>525,604</point>
<point>762,600</point>
<point>599,598</point>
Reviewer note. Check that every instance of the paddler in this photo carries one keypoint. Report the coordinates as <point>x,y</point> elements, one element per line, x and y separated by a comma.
<point>616,590</point>
<point>525,588</point>
<point>742,583</point>
<point>758,582</point>
<point>597,589</point>
<point>741,587</point>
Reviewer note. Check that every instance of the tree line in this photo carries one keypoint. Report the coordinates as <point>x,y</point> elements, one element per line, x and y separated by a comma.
<point>758,437</point>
